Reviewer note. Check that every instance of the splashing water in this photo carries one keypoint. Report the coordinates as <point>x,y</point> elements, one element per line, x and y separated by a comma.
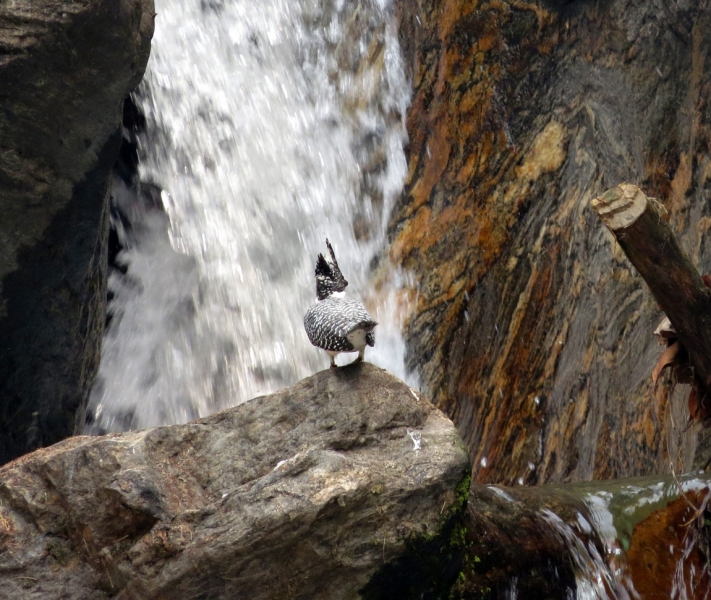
<point>598,543</point>
<point>271,125</point>
<point>596,577</point>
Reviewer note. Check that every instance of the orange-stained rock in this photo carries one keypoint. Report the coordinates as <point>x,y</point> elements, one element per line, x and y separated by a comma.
<point>531,329</point>
<point>666,556</point>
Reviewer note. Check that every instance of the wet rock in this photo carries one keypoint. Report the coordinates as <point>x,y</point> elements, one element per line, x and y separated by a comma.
<point>637,538</point>
<point>530,329</point>
<point>670,551</point>
<point>306,493</point>
<point>65,67</point>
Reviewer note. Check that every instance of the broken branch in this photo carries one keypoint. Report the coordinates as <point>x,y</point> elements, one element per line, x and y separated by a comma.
<point>638,224</point>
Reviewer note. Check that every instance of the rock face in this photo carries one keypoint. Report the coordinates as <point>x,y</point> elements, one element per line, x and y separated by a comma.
<point>65,67</point>
<point>531,329</point>
<point>302,494</point>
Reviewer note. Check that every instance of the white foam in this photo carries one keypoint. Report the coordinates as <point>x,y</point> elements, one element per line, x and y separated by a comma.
<point>261,140</point>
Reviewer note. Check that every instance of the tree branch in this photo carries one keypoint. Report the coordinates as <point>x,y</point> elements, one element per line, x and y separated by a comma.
<point>638,224</point>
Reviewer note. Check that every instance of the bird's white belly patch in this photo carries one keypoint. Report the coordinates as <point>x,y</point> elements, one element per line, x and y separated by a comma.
<point>357,338</point>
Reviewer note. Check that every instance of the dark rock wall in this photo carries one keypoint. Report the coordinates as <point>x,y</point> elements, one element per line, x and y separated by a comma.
<point>65,68</point>
<point>531,329</point>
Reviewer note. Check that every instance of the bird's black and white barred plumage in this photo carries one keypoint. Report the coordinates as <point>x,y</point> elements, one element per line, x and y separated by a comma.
<point>329,279</point>
<point>329,322</point>
<point>336,324</point>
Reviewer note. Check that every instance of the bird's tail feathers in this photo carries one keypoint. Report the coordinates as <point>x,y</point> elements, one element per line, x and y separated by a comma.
<point>368,325</point>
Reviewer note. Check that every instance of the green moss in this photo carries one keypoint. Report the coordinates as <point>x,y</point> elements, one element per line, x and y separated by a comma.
<point>462,492</point>
<point>432,562</point>
<point>58,551</point>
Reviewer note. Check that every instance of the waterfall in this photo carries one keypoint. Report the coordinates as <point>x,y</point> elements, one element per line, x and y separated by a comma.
<point>270,126</point>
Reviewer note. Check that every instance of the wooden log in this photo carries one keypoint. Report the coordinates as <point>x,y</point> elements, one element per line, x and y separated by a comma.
<point>640,228</point>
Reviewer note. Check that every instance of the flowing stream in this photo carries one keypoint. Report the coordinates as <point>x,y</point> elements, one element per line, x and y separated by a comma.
<point>270,126</point>
<point>599,540</point>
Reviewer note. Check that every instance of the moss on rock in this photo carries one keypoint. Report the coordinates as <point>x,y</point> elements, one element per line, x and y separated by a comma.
<point>432,563</point>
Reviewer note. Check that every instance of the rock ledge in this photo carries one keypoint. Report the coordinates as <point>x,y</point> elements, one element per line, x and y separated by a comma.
<point>305,493</point>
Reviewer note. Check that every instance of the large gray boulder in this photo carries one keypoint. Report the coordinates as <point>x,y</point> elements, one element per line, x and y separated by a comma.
<point>307,493</point>
<point>65,68</point>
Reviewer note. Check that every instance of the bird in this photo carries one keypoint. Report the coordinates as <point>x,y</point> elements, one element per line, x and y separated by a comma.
<point>335,323</point>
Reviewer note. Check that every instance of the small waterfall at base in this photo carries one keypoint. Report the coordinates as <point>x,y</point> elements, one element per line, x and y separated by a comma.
<point>625,539</point>
<point>270,126</point>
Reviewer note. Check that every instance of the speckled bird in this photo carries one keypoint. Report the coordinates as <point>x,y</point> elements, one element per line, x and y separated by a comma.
<point>337,324</point>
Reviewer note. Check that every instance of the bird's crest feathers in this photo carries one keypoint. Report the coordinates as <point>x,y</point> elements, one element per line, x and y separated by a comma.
<point>322,267</point>
<point>329,278</point>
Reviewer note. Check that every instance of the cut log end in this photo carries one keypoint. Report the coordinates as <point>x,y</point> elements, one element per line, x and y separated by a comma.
<point>621,206</point>
<point>650,245</point>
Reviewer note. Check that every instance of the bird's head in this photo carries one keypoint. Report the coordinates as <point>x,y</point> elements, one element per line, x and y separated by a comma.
<point>329,279</point>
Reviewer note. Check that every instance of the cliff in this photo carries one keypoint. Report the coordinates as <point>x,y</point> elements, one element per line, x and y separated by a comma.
<point>531,330</point>
<point>65,68</point>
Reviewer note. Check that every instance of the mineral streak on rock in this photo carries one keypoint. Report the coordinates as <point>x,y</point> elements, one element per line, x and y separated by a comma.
<point>302,494</point>
<point>531,330</point>
<point>65,67</point>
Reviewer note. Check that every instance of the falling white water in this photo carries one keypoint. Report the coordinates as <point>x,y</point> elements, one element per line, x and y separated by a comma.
<point>597,577</point>
<point>271,125</point>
